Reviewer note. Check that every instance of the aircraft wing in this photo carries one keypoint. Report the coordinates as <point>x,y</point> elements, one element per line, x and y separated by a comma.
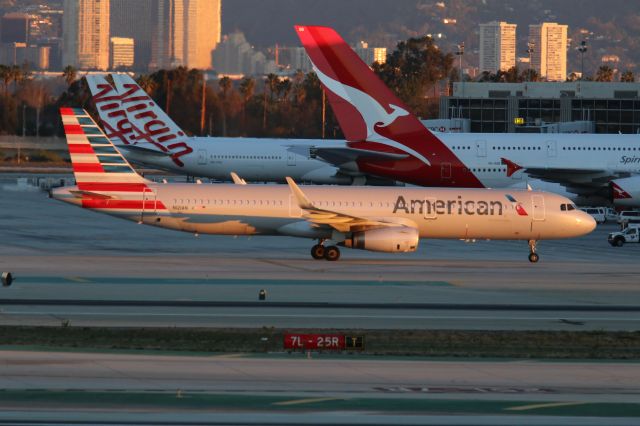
<point>339,221</point>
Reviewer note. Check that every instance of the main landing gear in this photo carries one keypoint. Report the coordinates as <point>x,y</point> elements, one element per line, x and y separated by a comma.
<point>319,251</point>
<point>533,256</point>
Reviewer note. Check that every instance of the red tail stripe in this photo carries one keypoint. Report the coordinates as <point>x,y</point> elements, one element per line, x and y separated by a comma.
<point>73,129</point>
<point>112,186</point>
<point>67,111</point>
<point>80,148</point>
<point>94,203</point>
<point>87,168</point>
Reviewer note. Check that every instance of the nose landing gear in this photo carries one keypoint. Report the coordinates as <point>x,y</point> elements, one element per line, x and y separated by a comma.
<point>319,251</point>
<point>533,256</point>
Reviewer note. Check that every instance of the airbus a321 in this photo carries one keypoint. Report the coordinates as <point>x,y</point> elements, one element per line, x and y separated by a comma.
<point>382,219</point>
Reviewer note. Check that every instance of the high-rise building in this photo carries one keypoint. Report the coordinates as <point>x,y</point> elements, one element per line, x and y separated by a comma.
<point>186,33</point>
<point>371,54</point>
<point>497,46</point>
<point>549,57</point>
<point>135,19</point>
<point>85,33</point>
<point>235,56</point>
<point>122,52</point>
<point>14,28</point>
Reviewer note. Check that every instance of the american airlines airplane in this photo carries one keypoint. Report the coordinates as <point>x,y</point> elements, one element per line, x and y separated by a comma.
<point>593,168</point>
<point>148,136</point>
<point>382,219</point>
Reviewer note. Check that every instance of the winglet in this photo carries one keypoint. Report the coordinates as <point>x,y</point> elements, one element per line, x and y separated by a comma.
<point>237,179</point>
<point>511,166</point>
<point>303,201</point>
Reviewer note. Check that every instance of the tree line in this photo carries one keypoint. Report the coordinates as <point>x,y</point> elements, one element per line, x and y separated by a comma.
<point>274,106</point>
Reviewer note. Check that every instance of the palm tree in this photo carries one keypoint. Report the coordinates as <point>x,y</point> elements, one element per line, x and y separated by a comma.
<point>605,73</point>
<point>147,83</point>
<point>6,76</point>
<point>627,77</point>
<point>247,87</point>
<point>225,84</point>
<point>69,73</point>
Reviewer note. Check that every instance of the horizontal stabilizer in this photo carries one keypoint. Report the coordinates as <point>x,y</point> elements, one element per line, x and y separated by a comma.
<point>144,151</point>
<point>89,194</point>
<point>341,155</point>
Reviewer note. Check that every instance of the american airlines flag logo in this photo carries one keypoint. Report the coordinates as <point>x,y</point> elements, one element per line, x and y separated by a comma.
<point>517,205</point>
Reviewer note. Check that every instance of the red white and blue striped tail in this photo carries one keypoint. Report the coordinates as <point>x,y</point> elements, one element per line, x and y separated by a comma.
<point>105,180</point>
<point>97,163</point>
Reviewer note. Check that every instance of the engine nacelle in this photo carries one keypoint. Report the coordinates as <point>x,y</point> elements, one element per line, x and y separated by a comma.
<point>397,239</point>
<point>626,191</point>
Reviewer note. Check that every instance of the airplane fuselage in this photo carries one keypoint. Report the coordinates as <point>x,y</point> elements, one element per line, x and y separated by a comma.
<point>254,159</point>
<point>272,210</point>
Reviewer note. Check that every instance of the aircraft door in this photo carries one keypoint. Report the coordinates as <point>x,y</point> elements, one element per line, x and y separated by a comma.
<point>481,148</point>
<point>537,202</point>
<point>291,159</point>
<point>445,171</point>
<point>202,157</point>
<point>552,149</point>
<point>149,209</point>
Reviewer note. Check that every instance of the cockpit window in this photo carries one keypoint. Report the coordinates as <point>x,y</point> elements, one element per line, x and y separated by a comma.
<point>567,207</point>
<point>571,207</point>
<point>563,207</point>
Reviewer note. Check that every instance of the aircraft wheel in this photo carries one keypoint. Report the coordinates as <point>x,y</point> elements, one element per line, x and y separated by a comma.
<point>332,253</point>
<point>533,257</point>
<point>318,251</point>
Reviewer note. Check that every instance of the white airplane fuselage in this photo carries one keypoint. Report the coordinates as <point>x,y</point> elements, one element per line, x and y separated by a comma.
<point>483,153</point>
<point>254,159</point>
<point>272,210</point>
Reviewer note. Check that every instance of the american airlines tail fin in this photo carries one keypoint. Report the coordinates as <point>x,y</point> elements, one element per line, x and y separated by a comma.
<point>97,164</point>
<point>130,115</point>
<point>371,115</point>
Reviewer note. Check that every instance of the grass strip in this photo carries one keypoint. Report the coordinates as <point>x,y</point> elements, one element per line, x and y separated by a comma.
<point>430,343</point>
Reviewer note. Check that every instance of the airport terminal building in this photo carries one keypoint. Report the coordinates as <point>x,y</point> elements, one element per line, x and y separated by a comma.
<point>497,107</point>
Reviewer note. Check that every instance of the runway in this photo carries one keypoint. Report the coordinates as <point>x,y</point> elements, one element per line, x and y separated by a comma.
<point>89,382</point>
<point>97,270</point>
<point>88,269</point>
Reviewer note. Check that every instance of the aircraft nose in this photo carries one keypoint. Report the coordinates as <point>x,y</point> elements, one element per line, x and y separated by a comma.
<point>585,223</point>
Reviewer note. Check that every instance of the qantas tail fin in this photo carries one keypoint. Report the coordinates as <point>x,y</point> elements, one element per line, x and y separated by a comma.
<point>97,164</point>
<point>371,115</point>
<point>365,107</point>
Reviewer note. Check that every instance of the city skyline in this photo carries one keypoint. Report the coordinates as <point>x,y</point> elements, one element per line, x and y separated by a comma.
<point>136,20</point>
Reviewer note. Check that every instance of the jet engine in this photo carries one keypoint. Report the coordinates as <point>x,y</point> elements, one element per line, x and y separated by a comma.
<point>396,239</point>
<point>626,191</point>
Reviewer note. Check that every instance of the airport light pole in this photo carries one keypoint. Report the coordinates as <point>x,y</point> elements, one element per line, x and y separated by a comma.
<point>530,52</point>
<point>582,49</point>
<point>460,53</point>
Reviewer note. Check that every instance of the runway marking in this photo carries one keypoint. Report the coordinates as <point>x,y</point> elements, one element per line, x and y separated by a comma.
<point>214,315</point>
<point>228,356</point>
<point>548,405</point>
<point>304,401</point>
<point>78,279</point>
